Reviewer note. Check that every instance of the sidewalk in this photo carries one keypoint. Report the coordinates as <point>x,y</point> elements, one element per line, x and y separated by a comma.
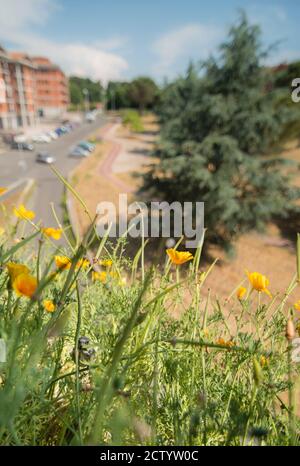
<point>110,169</point>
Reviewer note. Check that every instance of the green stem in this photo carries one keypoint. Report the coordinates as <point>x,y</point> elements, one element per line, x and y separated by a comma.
<point>292,427</point>
<point>254,392</point>
<point>77,381</point>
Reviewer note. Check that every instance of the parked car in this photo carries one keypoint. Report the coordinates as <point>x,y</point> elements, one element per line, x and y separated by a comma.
<point>41,138</point>
<point>58,131</point>
<point>22,146</point>
<point>52,134</point>
<point>86,145</point>
<point>78,152</point>
<point>90,117</point>
<point>44,157</point>
<point>65,129</point>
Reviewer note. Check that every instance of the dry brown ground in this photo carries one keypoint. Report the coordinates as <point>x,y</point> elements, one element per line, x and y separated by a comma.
<point>267,253</point>
<point>256,253</point>
<point>92,186</point>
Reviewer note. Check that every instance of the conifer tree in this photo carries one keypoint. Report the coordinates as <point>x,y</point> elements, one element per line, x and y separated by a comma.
<point>217,128</point>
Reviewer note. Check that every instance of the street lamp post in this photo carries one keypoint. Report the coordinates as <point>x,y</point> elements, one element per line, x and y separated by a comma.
<point>85,92</point>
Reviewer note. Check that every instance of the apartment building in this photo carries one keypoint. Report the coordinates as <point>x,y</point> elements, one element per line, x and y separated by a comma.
<point>52,93</point>
<point>30,88</point>
<point>17,90</point>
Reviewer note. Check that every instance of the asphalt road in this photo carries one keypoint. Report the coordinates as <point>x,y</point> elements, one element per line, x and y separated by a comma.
<point>15,165</point>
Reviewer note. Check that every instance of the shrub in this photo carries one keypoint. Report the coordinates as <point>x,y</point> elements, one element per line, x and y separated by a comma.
<point>132,119</point>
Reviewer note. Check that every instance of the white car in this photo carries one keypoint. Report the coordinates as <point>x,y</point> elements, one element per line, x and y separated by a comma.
<point>41,138</point>
<point>52,134</point>
<point>90,117</point>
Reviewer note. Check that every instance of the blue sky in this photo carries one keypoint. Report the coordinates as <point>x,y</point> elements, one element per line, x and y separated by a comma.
<point>120,39</point>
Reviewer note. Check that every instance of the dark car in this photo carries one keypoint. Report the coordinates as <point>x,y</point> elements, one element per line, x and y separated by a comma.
<point>59,131</point>
<point>22,146</point>
<point>44,157</point>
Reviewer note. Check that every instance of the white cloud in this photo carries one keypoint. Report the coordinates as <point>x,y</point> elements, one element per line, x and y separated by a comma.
<point>97,61</point>
<point>19,13</point>
<point>112,43</point>
<point>184,42</point>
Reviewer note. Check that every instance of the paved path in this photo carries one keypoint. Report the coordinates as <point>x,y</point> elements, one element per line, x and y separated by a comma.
<point>106,169</point>
<point>15,165</point>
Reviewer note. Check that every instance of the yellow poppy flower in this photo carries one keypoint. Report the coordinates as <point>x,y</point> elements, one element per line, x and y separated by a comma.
<point>106,262</point>
<point>25,285</point>
<point>263,361</point>
<point>54,233</point>
<point>15,269</point>
<point>62,262</point>
<point>227,344</point>
<point>2,190</point>
<point>259,282</point>
<point>178,257</point>
<point>99,276</point>
<point>241,292</point>
<point>22,212</point>
<point>49,305</point>
<point>84,263</point>
<point>297,305</point>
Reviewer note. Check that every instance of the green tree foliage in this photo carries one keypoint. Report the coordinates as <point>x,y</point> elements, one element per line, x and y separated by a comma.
<point>285,74</point>
<point>140,93</point>
<point>143,92</point>
<point>283,77</point>
<point>216,130</point>
<point>117,95</point>
<point>75,93</point>
<point>77,85</point>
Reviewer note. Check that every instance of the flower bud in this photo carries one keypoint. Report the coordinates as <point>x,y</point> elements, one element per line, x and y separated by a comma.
<point>290,330</point>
